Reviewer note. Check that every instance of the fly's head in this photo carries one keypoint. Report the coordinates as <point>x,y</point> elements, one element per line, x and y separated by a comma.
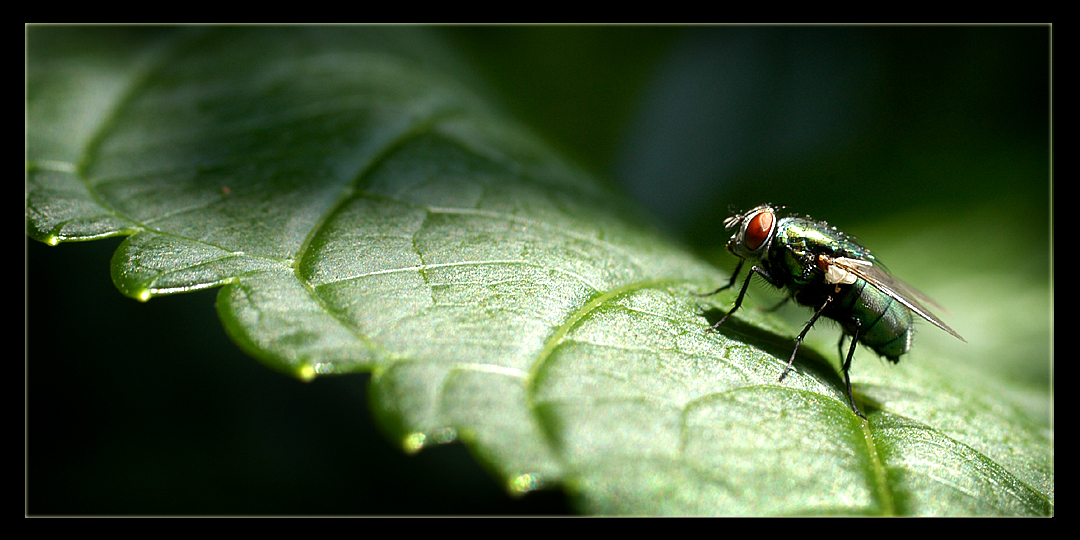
<point>754,232</point>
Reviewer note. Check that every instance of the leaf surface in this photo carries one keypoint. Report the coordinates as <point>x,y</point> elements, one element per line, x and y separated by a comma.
<point>363,210</point>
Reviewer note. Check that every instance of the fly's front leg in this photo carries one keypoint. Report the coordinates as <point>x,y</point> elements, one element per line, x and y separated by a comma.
<point>798,340</point>
<point>734,275</point>
<point>742,294</point>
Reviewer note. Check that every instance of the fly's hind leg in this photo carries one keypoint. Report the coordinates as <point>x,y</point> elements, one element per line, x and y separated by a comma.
<point>846,367</point>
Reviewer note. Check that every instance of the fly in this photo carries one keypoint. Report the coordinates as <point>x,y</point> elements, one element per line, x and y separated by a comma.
<point>822,268</point>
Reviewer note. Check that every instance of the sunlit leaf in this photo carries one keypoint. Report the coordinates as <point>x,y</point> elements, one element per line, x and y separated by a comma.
<point>361,209</point>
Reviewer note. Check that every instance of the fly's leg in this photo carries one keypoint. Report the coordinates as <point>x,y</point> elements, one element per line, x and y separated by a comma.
<point>739,299</point>
<point>730,282</point>
<point>798,340</point>
<point>847,366</point>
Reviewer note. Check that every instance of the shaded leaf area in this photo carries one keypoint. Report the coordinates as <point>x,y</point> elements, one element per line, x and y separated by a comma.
<point>362,211</point>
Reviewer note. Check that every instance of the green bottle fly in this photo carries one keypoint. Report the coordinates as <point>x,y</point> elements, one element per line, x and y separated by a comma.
<point>822,268</point>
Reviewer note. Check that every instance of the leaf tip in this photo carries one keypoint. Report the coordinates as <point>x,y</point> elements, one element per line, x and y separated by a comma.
<point>414,442</point>
<point>524,483</point>
<point>306,373</point>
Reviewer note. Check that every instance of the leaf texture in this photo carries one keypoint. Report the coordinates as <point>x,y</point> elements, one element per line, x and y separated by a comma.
<point>362,210</point>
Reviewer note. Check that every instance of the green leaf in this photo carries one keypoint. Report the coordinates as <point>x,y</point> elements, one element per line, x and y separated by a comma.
<point>362,210</point>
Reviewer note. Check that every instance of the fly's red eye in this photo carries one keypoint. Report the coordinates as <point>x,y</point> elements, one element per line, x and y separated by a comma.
<point>758,230</point>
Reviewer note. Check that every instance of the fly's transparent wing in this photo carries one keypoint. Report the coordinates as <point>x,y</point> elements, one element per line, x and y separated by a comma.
<point>896,289</point>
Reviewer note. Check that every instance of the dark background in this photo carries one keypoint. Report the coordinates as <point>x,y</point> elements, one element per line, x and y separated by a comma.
<point>137,408</point>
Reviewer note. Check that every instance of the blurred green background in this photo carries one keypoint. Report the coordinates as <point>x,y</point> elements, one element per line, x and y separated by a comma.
<point>849,122</point>
<point>934,142</point>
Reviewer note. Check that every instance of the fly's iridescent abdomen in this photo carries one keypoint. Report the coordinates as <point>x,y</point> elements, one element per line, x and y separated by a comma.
<point>885,325</point>
<point>822,268</point>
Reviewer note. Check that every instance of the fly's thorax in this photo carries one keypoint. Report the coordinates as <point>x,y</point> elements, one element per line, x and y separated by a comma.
<point>797,267</point>
<point>818,237</point>
<point>808,245</point>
